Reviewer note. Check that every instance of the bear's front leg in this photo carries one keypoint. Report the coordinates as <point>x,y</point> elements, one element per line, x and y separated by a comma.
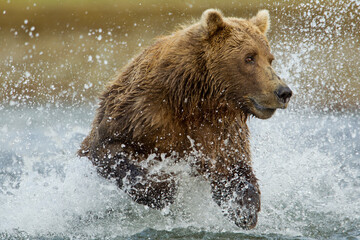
<point>238,196</point>
<point>153,190</point>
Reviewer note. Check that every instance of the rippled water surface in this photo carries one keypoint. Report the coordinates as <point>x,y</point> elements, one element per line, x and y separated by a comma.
<point>54,59</point>
<point>308,166</point>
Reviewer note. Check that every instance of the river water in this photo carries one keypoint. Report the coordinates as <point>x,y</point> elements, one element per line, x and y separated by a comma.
<point>307,164</point>
<point>307,157</point>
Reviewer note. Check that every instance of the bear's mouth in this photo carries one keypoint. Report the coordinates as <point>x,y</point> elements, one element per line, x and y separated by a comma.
<point>261,111</point>
<point>261,107</point>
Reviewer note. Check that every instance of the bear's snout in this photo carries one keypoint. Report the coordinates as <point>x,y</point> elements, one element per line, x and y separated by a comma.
<point>284,94</point>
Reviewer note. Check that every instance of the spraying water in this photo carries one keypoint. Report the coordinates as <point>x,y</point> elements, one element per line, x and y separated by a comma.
<point>306,158</point>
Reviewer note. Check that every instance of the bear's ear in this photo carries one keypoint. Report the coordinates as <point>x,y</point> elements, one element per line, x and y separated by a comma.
<point>262,20</point>
<point>212,20</point>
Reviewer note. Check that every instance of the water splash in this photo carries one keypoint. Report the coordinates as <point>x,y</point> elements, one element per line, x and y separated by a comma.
<point>306,159</point>
<point>309,182</point>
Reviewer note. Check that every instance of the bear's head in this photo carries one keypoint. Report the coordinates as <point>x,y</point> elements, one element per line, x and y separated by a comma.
<point>239,56</point>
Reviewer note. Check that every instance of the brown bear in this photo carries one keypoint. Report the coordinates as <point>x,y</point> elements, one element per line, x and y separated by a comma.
<point>193,90</point>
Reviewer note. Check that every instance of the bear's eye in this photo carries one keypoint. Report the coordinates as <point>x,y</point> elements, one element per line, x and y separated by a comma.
<point>250,59</point>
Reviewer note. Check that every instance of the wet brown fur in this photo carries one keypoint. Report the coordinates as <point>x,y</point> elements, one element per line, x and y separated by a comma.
<point>188,86</point>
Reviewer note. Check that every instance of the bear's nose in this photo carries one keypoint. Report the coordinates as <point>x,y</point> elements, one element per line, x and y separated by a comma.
<point>284,94</point>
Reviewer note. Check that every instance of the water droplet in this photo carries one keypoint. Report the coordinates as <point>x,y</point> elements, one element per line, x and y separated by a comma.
<point>27,74</point>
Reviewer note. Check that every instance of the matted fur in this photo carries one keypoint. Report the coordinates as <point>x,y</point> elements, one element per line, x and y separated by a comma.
<point>193,84</point>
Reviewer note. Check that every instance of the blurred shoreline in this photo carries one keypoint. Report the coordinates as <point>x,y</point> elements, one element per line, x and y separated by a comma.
<point>64,52</point>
